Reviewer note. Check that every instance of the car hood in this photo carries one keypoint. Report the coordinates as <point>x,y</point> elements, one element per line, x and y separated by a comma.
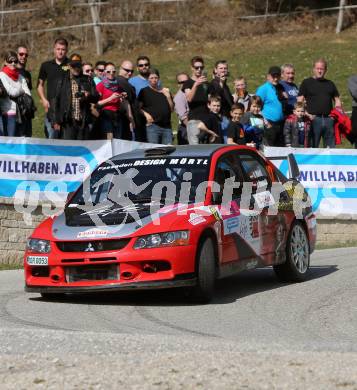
<point>75,225</point>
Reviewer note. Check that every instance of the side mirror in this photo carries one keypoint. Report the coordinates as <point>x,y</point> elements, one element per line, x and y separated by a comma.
<point>294,171</point>
<point>69,196</point>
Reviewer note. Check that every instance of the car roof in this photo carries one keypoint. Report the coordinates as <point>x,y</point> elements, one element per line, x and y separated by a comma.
<point>172,151</point>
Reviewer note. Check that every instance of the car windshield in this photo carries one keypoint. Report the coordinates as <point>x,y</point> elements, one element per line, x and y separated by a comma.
<point>168,180</point>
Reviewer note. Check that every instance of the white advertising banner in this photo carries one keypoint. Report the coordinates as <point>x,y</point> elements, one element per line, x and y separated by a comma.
<point>50,169</point>
<point>43,168</point>
<point>42,165</point>
<point>329,175</point>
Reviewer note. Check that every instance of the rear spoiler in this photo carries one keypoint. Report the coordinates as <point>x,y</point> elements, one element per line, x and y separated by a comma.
<point>294,171</point>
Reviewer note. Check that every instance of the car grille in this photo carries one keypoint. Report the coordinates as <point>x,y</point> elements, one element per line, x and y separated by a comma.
<point>88,273</point>
<point>66,261</point>
<point>92,246</point>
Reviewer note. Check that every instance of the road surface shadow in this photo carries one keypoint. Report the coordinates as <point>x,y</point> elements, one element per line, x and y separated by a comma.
<point>227,290</point>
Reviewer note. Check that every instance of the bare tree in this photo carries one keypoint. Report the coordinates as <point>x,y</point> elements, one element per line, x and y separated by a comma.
<point>94,10</point>
<point>266,9</point>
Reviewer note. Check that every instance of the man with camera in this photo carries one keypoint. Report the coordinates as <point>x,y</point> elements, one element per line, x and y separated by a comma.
<point>70,112</point>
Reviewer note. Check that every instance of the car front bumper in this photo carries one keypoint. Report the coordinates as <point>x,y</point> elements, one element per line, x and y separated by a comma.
<point>182,281</point>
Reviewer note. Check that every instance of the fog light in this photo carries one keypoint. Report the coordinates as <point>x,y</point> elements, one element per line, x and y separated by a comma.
<point>57,274</point>
<point>127,275</point>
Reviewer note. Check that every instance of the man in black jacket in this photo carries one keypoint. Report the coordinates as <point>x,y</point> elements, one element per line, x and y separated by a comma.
<point>70,109</point>
<point>129,108</point>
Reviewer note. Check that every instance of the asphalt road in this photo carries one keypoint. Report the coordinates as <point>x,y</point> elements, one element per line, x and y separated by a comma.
<point>256,334</point>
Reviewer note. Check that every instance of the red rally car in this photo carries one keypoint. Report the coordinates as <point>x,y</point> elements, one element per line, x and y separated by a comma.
<point>174,217</point>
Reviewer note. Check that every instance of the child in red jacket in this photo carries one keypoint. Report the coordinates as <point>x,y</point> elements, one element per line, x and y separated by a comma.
<point>297,128</point>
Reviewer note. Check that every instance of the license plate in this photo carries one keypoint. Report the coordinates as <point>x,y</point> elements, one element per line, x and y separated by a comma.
<point>88,273</point>
<point>37,260</point>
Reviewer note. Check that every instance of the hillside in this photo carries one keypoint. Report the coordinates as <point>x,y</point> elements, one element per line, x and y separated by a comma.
<point>248,55</point>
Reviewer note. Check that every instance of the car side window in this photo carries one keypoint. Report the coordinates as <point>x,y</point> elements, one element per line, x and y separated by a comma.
<point>254,170</point>
<point>228,168</point>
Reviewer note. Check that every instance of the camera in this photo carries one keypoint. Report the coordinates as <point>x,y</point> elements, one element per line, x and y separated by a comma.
<point>79,95</point>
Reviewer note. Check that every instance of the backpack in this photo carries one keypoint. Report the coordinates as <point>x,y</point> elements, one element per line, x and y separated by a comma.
<point>26,106</point>
<point>3,91</point>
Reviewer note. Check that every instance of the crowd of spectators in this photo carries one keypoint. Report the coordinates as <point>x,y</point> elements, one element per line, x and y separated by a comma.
<point>84,102</point>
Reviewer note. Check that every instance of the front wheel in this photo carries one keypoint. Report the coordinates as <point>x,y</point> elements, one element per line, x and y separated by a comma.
<point>297,262</point>
<point>206,273</point>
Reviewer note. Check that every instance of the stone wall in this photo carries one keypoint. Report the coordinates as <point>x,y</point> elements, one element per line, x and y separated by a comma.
<point>14,231</point>
<point>336,232</point>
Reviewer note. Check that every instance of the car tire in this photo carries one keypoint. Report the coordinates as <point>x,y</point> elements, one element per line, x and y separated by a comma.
<point>296,266</point>
<point>206,273</point>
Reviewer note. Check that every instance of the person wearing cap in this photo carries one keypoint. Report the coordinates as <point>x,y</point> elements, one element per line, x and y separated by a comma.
<point>271,94</point>
<point>50,72</point>
<point>13,86</point>
<point>70,111</point>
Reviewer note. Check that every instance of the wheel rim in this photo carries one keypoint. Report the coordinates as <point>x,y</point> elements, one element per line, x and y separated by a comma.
<point>299,248</point>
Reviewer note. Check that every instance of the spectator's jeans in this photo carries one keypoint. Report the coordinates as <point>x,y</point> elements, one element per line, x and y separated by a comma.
<point>9,123</point>
<point>158,135</point>
<point>1,127</point>
<point>224,126</point>
<point>273,136</point>
<point>75,131</point>
<point>51,132</point>
<point>182,135</point>
<point>322,126</point>
<point>193,132</point>
<point>24,129</point>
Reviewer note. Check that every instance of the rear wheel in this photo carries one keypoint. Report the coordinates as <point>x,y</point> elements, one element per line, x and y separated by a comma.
<point>297,256</point>
<point>206,273</point>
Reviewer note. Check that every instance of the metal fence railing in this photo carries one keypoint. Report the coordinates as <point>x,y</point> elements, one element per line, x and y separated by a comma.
<point>96,23</point>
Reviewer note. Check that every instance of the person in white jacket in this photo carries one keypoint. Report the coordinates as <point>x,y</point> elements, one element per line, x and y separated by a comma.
<point>15,85</point>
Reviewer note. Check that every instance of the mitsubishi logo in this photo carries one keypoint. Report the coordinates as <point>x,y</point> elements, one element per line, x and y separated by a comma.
<point>89,248</point>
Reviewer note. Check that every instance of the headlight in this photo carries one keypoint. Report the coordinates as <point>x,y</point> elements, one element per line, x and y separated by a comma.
<point>39,246</point>
<point>162,239</point>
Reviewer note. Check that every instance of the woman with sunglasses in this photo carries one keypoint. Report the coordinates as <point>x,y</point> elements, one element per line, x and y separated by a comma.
<point>14,85</point>
<point>111,97</point>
